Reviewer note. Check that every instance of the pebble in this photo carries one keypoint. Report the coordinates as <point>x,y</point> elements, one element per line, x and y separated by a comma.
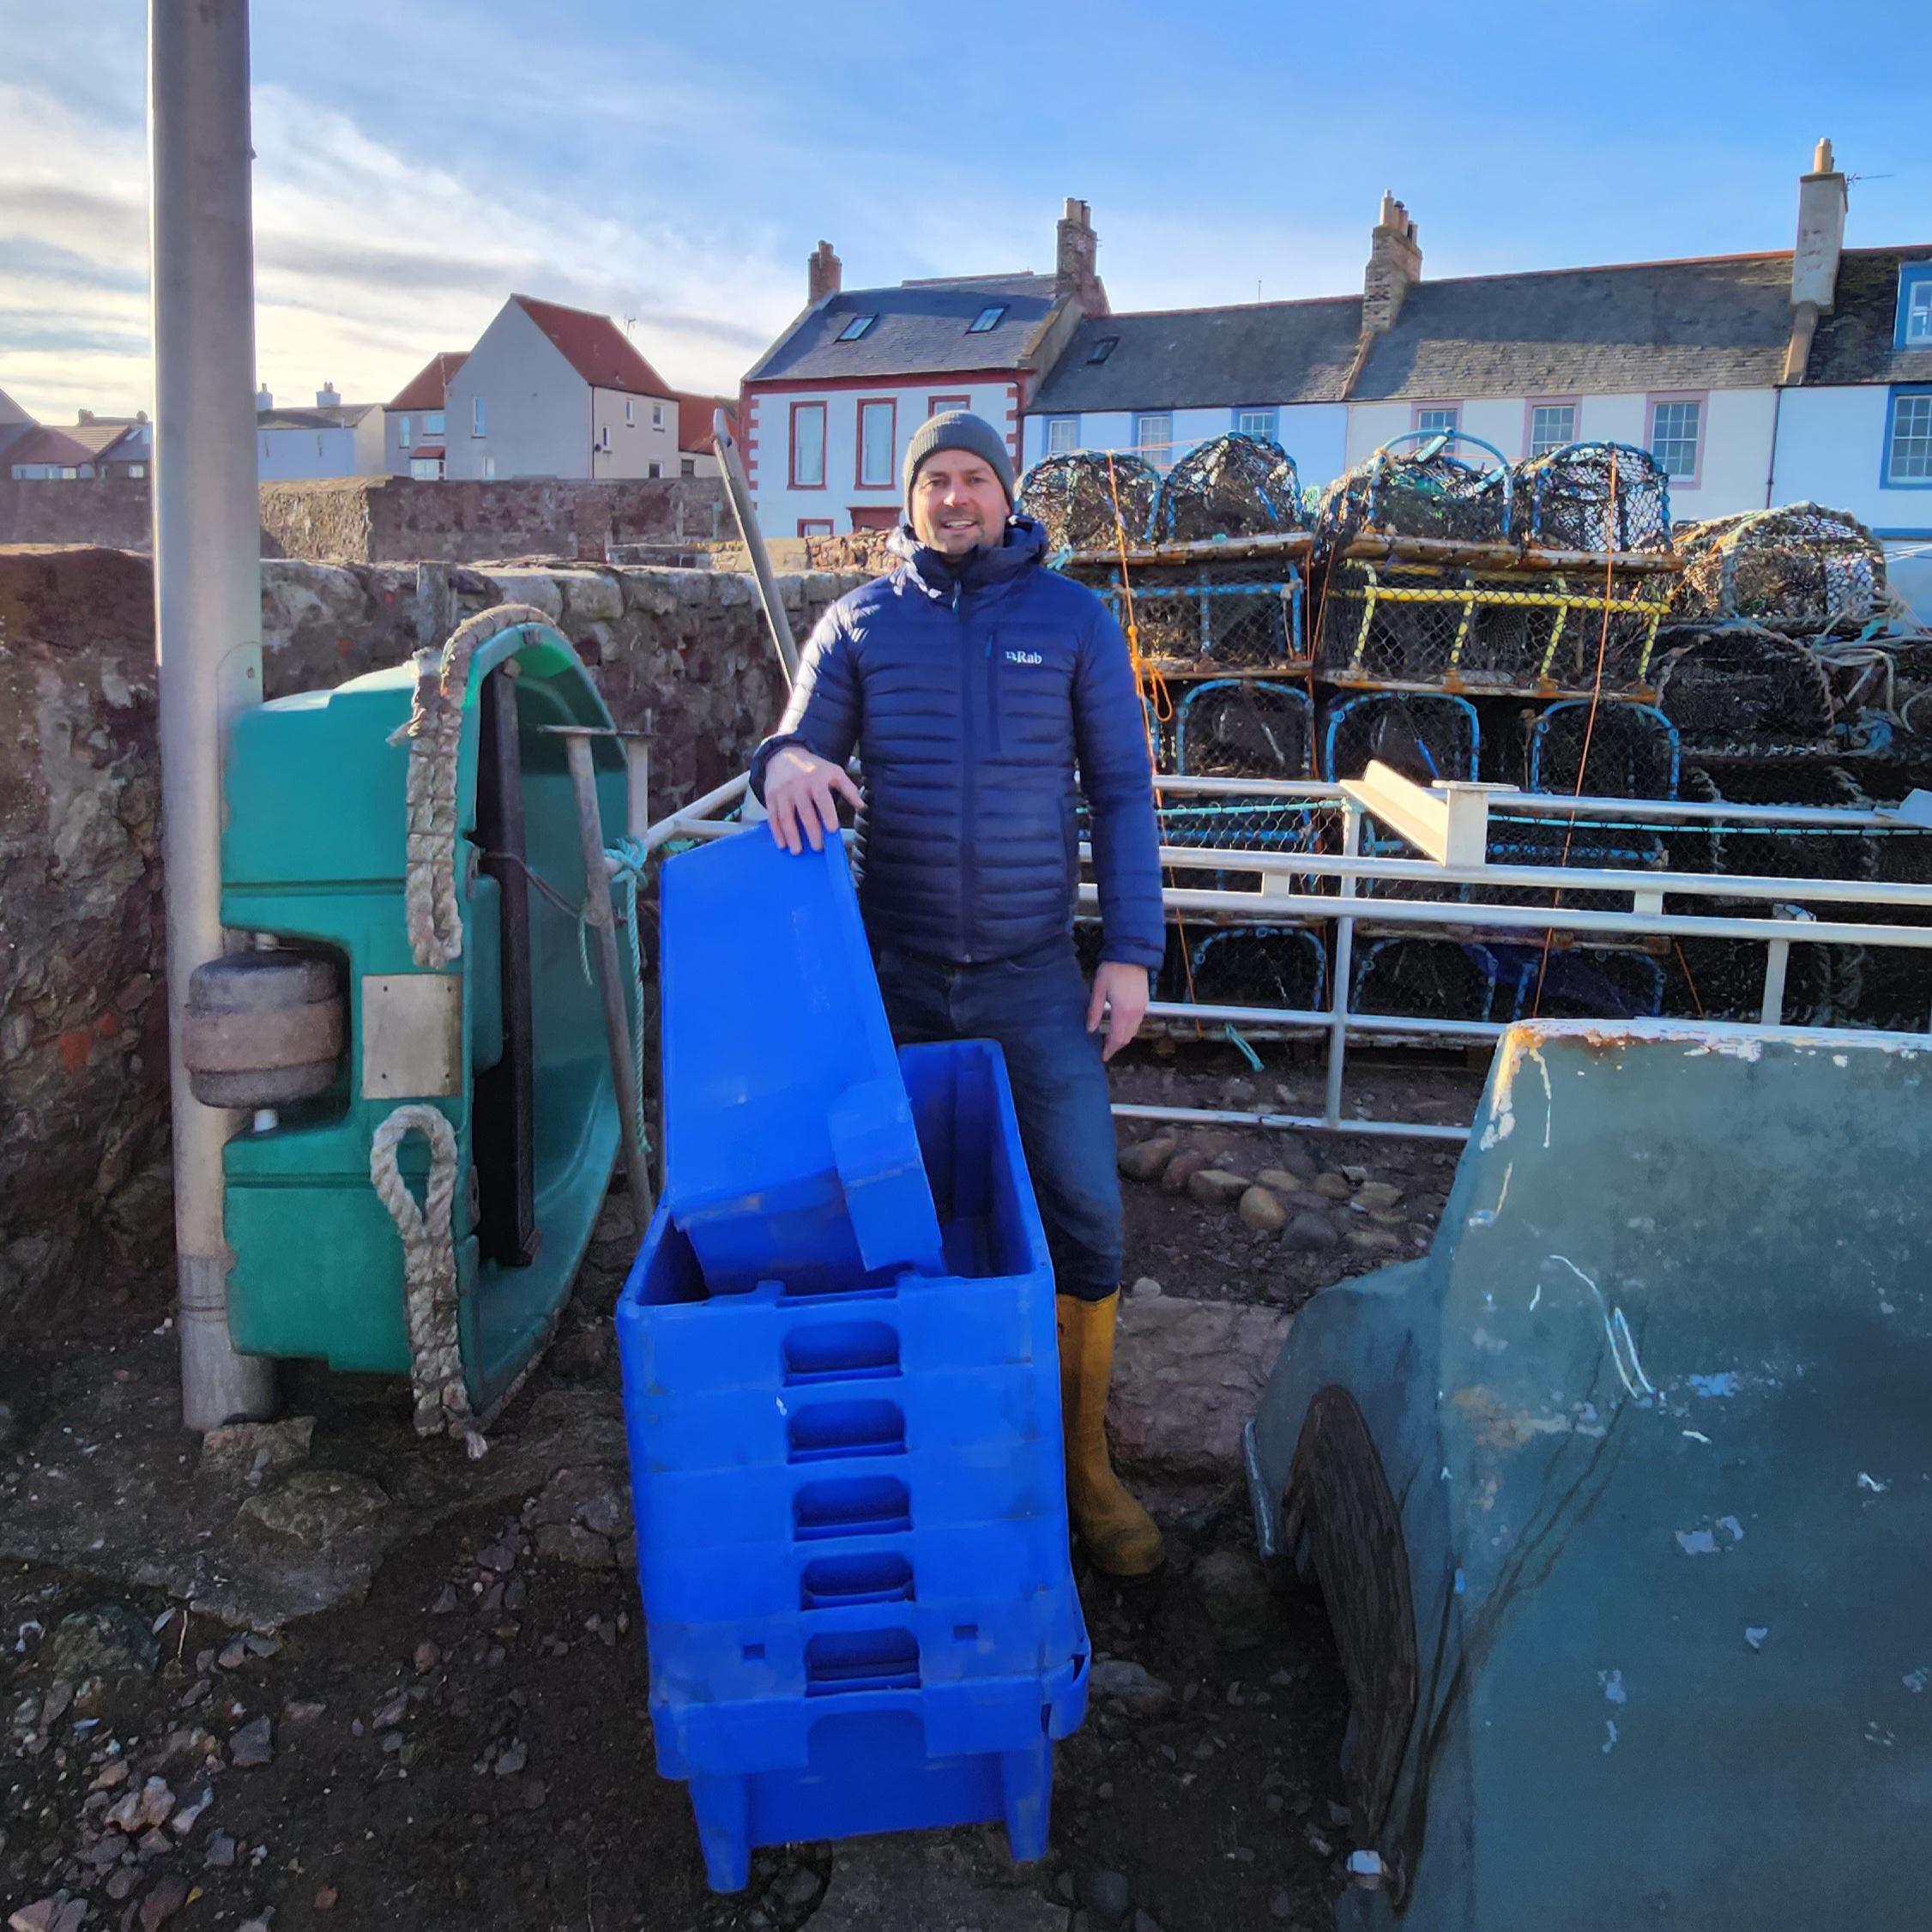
<point>1282,1180</point>
<point>1332,1186</point>
<point>169,1896</point>
<point>393,1712</point>
<point>512,1759</point>
<point>189,1815</point>
<point>1374,1241</point>
<point>1262,1211</point>
<point>1296,1158</point>
<point>1216,1187</point>
<point>1188,1163</point>
<point>1105,1894</point>
<point>427,1658</point>
<point>302,1711</point>
<point>326,1896</point>
<point>1282,1905</point>
<point>1309,1233</point>
<point>1373,1194</point>
<point>1120,1681</point>
<point>446,1601</point>
<point>1144,1159</point>
<point>120,1883</point>
<point>253,1744</point>
<point>1146,1286</point>
<point>155,1843</point>
<point>221,1853</point>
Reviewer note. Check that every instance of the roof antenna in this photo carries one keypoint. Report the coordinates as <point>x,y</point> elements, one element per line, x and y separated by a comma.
<point>629,322</point>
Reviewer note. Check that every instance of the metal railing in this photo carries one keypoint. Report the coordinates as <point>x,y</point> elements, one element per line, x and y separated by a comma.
<point>1331,890</point>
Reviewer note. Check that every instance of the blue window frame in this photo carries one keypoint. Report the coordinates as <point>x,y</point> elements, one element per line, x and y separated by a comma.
<point>1906,463</point>
<point>1255,422</point>
<point>1914,329</point>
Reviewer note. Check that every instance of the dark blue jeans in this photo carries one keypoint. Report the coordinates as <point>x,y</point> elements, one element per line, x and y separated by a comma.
<point>1034,1006</point>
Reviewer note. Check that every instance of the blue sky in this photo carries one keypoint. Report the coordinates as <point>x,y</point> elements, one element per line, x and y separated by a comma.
<point>418,160</point>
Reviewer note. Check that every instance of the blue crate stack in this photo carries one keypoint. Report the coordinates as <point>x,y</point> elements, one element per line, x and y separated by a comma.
<point>841,1395</point>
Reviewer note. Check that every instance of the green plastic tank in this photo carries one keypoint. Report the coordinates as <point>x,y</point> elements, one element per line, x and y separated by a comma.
<point>505,1040</point>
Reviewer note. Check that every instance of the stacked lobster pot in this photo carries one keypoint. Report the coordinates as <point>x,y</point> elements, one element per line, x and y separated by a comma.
<point>1478,621</point>
<point>1794,679</point>
<point>1206,568</point>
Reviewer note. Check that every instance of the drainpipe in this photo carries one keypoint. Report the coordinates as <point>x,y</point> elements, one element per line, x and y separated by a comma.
<point>207,600</point>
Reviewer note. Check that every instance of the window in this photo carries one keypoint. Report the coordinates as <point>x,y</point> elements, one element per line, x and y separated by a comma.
<point>1255,422</point>
<point>604,436</point>
<point>851,333</point>
<point>987,319</point>
<point>1552,425</point>
<point>404,436</point>
<point>1102,349</point>
<point>1674,423</point>
<point>1915,306</point>
<point>1153,436</point>
<point>658,415</point>
<point>937,405</point>
<point>876,427</point>
<point>476,416</point>
<point>432,422</point>
<point>808,445</point>
<point>630,412</point>
<point>687,465</point>
<point>425,469</point>
<point>1442,418</point>
<point>137,469</point>
<point>815,526</point>
<point>1063,435</point>
<point>655,469</point>
<point>1908,440</point>
<point>489,468</point>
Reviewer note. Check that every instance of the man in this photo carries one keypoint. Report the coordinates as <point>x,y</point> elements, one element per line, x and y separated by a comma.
<point>971,681</point>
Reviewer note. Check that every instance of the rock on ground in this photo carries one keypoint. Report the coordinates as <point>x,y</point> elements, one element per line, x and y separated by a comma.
<point>1186,1377</point>
<point>932,1882</point>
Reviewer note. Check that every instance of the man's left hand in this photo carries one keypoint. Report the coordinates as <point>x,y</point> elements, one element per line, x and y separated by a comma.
<point>1120,994</point>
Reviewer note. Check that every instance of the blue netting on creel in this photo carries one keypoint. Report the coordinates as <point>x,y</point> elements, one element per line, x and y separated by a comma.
<point>1431,737</point>
<point>1083,501</point>
<point>1259,966</point>
<point>1426,979</point>
<point>1412,486</point>
<point>1230,487</point>
<point>1614,750</point>
<point>1219,614</point>
<point>1594,496</point>
<point>1577,983</point>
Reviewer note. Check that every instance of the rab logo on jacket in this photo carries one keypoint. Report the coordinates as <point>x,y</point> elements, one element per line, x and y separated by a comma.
<point>1025,657</point>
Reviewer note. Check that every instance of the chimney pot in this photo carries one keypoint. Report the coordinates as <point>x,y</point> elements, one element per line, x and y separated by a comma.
<point>1821,158</point>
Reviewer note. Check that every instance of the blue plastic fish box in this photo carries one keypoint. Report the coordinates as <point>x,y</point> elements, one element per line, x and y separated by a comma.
<point>851,1513</point>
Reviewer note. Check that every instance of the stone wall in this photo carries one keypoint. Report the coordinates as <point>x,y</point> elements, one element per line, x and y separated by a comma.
<point>84,1198</point>
<point>382,519</point>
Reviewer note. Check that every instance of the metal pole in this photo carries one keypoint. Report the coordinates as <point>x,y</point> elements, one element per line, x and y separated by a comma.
<point>739,489</point>
<point>603,923</point>
<point>207,600</point>
<point>1344,963</point>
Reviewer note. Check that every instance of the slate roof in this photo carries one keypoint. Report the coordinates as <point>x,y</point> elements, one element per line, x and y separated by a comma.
<point>331,415</point>
<point>1718,323</point>
<point>595,347</point>
<point>1853,342</point>
<point>51,446</point>
<point>1190,359</point>
<point>430,386</point>
<point>921,329</point>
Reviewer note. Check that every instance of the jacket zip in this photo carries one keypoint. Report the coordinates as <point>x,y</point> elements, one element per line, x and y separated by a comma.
<point>968,782</point>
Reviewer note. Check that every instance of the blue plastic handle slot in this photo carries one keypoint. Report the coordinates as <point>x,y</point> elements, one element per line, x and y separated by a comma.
<point>838,1582</point>
<point>830,1430</point>
<point>841,1663</point>
<point>836,1351</point>
<point>862,1506</point>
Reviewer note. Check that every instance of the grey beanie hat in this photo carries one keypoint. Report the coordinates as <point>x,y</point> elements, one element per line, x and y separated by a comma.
<point>957,429</point>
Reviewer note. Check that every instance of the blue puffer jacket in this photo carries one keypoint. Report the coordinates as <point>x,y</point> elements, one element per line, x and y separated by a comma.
<point>971,697</point>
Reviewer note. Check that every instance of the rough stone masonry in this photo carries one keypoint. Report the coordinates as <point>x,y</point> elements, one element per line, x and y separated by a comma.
<point>84,1190</point>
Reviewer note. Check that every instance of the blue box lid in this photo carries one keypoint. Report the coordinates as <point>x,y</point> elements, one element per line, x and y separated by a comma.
<point>789,1143</point>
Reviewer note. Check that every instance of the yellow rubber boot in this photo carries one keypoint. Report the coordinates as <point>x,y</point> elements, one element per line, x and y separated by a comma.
<point>1120,1536</point>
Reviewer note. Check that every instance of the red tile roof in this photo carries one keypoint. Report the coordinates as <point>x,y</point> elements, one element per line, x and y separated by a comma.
<point>694,420</point>
<point>51,446</point>
<point>427,388</point>
<point>595,347</point>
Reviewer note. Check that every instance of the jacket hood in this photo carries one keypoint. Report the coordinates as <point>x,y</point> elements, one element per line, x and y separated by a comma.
<point>1025,546</point>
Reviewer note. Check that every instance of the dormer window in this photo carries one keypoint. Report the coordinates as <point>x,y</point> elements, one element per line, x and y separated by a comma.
<point>856,328</point>
<point>1104,349</point>
<point>987,319</point>
<point>1915,306</point>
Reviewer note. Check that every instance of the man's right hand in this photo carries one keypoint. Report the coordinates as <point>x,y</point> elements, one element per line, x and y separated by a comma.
<point>800,795</point>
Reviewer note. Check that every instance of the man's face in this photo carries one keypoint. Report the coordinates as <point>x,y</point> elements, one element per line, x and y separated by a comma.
<point>957,504</point>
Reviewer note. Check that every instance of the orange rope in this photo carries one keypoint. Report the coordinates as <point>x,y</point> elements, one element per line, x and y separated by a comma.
<point>1589,732</point>
<point>1155,700</point>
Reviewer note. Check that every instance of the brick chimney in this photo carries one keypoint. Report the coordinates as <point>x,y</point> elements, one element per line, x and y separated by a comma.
<point>1395,265</point>
<point>824,272</point>
<point>1814,258</point>
<point>1076,249</point>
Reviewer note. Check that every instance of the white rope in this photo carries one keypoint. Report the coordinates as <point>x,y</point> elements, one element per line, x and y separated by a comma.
<point>431,904</point>
<point>429,1270</point>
